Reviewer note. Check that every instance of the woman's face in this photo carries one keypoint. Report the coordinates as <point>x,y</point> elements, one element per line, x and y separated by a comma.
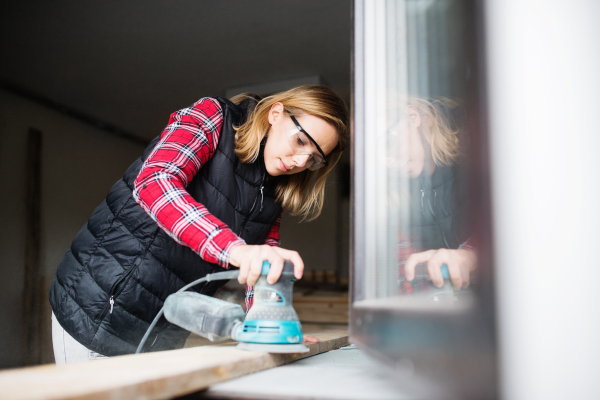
<point>410,157</point>
<point>280,159</point>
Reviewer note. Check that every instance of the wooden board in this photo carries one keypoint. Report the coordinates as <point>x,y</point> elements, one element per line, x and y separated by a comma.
<point>158,375</point>
<point>33,297</point>
<point>322,307</point>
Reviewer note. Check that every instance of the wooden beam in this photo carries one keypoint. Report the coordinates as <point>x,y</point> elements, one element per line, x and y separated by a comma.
<point>322,308</point>
<point>158,375</point>
<point>32,298</point>
<point>73,113</point>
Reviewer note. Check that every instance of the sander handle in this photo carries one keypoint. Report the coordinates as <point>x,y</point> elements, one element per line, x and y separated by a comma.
<point>288,268</point>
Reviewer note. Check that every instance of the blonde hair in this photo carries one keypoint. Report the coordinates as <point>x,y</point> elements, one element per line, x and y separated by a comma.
<point>295,192</point>
<point>442,138</point>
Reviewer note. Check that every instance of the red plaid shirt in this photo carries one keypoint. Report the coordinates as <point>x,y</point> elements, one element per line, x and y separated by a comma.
<point>186,144</point>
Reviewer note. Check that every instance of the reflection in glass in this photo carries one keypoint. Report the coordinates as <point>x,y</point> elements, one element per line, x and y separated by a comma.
<point>418,246</point>
<point>420,196</point>
<point>263,295</point>
<point>435,251</point>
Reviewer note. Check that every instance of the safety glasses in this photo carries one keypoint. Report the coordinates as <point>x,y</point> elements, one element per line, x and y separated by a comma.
<point>302,143</point>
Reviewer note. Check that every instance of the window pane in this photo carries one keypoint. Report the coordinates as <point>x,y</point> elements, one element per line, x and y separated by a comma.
<point>418,248</point>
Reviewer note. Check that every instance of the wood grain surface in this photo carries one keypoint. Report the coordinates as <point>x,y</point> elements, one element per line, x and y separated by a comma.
<point>158,375</point>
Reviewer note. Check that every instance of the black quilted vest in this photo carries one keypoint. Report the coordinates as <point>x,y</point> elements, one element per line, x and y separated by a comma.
<point>438,207</point>
<point>122,253</point>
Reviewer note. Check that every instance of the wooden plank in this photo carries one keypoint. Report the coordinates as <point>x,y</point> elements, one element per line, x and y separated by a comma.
<point>322,312</point>
<point>322,308</point>
<point>32,296</point>
<point>158,375</point>
<point>46,350</point>
<point>321,297</point>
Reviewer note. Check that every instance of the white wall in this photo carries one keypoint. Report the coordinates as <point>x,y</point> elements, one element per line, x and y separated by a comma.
<point>544,91</point>
<point>79,165</point>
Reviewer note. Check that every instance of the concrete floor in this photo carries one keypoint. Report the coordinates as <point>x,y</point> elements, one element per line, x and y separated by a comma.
<point>346,374</point>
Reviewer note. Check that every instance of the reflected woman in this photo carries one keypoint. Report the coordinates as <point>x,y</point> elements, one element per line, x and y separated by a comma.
<point>435,233</point>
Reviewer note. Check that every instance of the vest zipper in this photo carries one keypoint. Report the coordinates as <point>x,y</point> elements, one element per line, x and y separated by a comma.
<point>429,202</point>
<point>120,285</point>
<point>116,290</point>
<point>254,205</point>
<point>261,197</point>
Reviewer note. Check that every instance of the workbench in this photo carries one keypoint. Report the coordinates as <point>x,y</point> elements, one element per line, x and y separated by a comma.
<point>342,374</point>
<point>158,375</point>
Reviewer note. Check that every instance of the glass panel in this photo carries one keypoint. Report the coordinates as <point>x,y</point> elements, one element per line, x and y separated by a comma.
<point>417,247</point>
<point>420,194</point>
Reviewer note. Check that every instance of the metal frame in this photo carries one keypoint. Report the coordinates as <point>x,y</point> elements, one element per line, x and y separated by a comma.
<point>357,158</point>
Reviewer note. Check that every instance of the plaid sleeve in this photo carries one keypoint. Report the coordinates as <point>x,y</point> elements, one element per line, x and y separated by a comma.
<point>249,301</point>
<point>405,249</point>
<point>469,244</point>
<point>187,143</point>
<point>273,236</point>
<point>271,240</point>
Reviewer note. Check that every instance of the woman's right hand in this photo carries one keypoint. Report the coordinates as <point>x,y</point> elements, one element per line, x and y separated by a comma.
<point>249,259</point>
<point>460,263</point>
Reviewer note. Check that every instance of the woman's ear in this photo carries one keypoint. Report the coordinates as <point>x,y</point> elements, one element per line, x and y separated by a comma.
<point>276,112</point>
<point>414,118</point>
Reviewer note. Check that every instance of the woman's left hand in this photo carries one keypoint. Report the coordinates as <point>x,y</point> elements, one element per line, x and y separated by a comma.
<point>460,264</point>
<point>310,339</point>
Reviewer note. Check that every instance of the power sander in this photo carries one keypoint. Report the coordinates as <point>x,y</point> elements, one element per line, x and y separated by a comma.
<point>271,325</point>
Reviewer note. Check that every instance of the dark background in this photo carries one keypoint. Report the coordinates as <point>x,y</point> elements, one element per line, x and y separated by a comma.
<point>132,63</point>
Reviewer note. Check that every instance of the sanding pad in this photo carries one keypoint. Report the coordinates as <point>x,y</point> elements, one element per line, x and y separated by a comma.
<point>273,348</point>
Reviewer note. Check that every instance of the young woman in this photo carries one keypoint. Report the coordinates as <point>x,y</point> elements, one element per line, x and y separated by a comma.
<point>207,194</point>
<point>435,233</point>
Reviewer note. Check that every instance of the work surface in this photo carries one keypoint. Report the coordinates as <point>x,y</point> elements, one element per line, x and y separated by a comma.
<point>344,374</point>
<point>158,375</point>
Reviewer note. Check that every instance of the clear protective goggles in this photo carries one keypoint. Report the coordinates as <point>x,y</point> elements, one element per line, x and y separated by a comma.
<point>303,144</point>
